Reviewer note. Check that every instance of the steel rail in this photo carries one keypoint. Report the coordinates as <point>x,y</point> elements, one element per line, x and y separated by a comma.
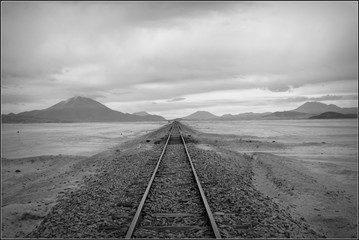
<point>144,197</point>
<point>203,197</point>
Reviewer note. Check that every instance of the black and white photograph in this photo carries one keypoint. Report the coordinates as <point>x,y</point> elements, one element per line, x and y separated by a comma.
<point>179,119</point>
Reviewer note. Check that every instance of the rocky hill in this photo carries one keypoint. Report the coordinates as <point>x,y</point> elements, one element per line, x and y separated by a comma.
<point>77,109</point>
<point>318,108</point>
<point>333,115</point>
<point>201,115</point>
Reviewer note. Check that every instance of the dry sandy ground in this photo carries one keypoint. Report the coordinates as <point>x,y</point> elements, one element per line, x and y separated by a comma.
<point>30,186</point>
<point>324,194</point>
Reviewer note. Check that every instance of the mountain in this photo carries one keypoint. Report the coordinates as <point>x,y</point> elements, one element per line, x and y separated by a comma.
<point>311,109</point>
<point>318,108</point>
<point>78,103</point>
<point>333,115</point>
<point>243,116</point>
<point>287,115</point>
<point>77,109</point>
<point>201,115</point>
<point>146,115</point>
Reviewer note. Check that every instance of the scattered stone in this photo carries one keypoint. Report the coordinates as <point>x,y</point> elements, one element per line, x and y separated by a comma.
<point>124,204</point>
<point>17,170</point>
<point>219,213</point>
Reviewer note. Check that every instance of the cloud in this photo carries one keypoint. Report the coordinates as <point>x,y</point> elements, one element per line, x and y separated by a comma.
<point>334,97</point>
<point>323,98</point>
<point>176,99</point>
<point>279,88</point>
<point>139,51</point>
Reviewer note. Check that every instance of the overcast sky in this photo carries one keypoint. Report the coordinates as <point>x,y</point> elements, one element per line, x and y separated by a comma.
<point>174,58</point>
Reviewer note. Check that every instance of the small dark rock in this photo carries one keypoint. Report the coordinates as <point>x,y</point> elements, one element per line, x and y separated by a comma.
<point>148,140</point>
<point>124,204</point>
<point>17,170</point>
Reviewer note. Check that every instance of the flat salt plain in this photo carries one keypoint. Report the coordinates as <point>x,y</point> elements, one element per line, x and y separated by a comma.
<point>85,139</point>
<point>310,140</point>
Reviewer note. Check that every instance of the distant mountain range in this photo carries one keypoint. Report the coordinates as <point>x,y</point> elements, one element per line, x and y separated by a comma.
<point>318,108</point>
<point>312,110</point>
<point>82,109</point>
<point>243,116</point>
<point>77,109</point>
<point>309,110</point>
<point>331,115</point>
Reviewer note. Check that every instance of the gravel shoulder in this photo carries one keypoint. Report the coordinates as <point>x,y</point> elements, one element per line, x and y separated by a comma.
<point>323,194</point>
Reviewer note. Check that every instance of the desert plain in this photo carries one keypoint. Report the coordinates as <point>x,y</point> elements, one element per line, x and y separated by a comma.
<point>312,173</point>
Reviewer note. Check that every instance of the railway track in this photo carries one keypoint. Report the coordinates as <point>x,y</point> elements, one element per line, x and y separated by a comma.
<point>111,203</point>
<point>173,204</point>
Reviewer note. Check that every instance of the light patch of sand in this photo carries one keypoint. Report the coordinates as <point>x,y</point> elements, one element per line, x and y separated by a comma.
<point>30,187</point>
<point>30,193</point>
<point>324,193</point>
<point>328,205</point>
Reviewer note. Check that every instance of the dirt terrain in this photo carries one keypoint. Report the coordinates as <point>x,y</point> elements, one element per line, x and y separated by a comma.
<point>33,188</point>
<point>324,194</point>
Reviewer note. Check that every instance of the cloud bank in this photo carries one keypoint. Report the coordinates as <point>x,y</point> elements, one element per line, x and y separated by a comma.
<point>135,53</point>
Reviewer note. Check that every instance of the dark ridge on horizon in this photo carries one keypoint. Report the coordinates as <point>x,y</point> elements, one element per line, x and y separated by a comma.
<point>334,115</point>
<point>83,109</point>
<point>77,109</point>
<point>305,111</point>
